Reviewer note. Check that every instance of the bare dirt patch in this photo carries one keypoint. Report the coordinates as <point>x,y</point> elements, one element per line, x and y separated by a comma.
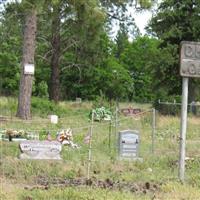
<point>145,187</point>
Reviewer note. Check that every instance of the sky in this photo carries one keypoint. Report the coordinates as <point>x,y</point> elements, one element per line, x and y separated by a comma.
<point>141,20</point>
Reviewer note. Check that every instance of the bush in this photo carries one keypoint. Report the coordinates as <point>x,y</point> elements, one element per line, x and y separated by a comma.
<point>44,107</point>
<point>43,89</point>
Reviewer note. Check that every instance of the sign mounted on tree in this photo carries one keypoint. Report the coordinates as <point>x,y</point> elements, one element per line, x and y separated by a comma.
<point>190,59</point>
<point>29,69</point>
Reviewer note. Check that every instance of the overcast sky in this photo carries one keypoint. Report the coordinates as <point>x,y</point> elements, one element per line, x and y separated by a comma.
<point>141,20</point>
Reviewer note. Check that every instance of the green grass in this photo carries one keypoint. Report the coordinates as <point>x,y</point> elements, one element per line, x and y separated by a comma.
<point>159,168</point>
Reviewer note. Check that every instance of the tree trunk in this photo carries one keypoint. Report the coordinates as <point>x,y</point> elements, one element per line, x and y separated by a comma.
<point>54,81</point>
<point>25,90</point>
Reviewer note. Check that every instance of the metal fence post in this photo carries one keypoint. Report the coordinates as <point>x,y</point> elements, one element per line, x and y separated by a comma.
<point>153,129</point>
<point>90,147</point>
<point>109,136</point>
<point>116,127</point>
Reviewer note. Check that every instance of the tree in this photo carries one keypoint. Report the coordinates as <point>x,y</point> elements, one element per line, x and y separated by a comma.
<point>71,34</point>
<point>26,80</point>
<point>10,51</point>
<point>140,57</point>
<point>56,50</point>
<point>73,48</point>
<point>121,39</point>
<point>174,22</point>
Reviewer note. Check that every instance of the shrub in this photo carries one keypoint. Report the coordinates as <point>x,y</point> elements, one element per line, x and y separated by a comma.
<point>44,107</point>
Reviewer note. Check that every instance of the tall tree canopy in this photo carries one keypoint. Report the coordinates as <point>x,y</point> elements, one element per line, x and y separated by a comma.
<point>175,21</point>
<point>74,55</point>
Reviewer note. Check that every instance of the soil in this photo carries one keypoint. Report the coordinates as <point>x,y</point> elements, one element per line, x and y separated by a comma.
<point>145,187</point>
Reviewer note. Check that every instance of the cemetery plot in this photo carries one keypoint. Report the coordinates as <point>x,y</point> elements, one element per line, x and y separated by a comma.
<point>130,139</point>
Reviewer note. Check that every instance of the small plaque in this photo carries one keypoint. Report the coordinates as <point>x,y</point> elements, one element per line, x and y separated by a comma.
<point>29,69</point>
<point>40,150</point>
<point>190,59</point>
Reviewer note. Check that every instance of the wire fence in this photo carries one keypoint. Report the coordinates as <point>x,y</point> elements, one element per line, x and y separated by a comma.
<point>174,107</point>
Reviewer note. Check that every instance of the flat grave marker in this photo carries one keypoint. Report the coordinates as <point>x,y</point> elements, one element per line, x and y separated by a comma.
<point>49,150</point>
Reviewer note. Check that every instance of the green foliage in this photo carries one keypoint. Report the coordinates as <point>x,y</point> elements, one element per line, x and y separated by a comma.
<point>90,63</point>
<point>113,79</point>
<point>10,51</point>
<point>101,113</point>
<point>44,107</point>
<point>42,89</point>
<point>173,23</point>
<point>140,57</point>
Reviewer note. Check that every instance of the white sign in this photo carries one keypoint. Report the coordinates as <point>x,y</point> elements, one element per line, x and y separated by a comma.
<point>29,69</point>
<point>54,119</point>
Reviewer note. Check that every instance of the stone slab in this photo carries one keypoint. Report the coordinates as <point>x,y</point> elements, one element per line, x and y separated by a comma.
<point>49,150</point>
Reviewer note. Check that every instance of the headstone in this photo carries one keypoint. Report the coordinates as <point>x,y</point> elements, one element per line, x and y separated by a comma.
<point>40,150</point>
<point>78,100</point>
<point>54,119</point>
<point>129,144</point>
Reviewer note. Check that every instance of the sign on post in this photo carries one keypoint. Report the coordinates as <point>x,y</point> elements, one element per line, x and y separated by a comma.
<point>189,67</point>
<point>190,59</point>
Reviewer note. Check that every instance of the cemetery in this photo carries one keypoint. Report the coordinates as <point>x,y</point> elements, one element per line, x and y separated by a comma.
<point>97,102</point>
<point>115,155</point>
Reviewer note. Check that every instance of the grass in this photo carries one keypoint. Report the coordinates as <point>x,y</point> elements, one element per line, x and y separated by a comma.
<point>159,169</point>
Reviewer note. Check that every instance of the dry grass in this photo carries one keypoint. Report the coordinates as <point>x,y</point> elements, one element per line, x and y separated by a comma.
<point>177,191</point>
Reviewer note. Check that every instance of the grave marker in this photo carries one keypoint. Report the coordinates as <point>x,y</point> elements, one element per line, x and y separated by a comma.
<point>40,150</point>
<point>54,119</point>
<point>129,144</point>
